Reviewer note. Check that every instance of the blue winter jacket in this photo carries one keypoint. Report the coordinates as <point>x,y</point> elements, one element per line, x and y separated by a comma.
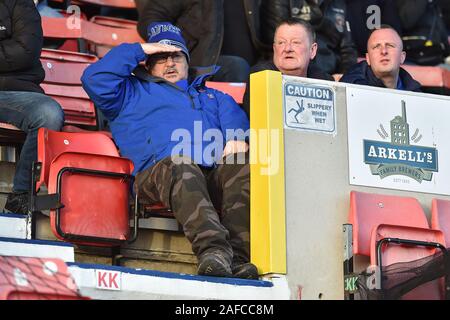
<point>150,117</point>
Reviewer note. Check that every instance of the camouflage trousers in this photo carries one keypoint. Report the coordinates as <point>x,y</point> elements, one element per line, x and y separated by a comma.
<point>211,204</point>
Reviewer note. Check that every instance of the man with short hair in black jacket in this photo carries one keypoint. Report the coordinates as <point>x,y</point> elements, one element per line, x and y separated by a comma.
<point>382,66</point>
<point>22,102</point>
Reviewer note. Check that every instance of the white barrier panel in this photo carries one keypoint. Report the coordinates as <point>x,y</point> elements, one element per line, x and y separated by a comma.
<point>400,141</point>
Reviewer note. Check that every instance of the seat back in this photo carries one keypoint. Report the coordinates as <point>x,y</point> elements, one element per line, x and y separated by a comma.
<point>64,67</point>
<point>104,33</point>
<point>53,143</point>
<point>440,217</point>
<point>96,203</point>
<point>368,210</point>
<point>234,89</point>
<point>124,4</point>
<point>392,253</point>
<point>23,278</point>
<point>93,185</point>
<point>78,108</point>
<point>62,82</point>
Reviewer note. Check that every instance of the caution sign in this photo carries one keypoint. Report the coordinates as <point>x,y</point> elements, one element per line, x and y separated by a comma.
<point>309,107</point>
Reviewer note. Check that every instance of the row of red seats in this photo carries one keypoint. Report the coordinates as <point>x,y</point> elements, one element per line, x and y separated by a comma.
<point>123,4</point>
<point>391,229</point>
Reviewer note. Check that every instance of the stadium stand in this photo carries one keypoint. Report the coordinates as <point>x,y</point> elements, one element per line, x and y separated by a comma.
<point>90,35</point>
<point>393,229</point>
<point>88,185</point>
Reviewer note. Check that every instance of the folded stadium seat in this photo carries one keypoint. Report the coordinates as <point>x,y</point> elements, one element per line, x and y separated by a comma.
<point>104,33</point>
<point>433,79</point>
<point>88,185</point>
<point>234,89</point>
<point>63,70</point>
<point>68,29</point>
<point>125,4</point>
<point>23,278</point>
<point>78,108</point>
<point>440,217</point>
<point>391,244</point>
<point>393,229</point>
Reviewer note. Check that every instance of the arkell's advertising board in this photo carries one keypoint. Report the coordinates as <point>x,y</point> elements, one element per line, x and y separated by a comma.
<point>399,141</point>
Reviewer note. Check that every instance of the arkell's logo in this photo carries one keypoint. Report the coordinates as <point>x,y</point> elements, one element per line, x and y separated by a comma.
<point>399,157</point>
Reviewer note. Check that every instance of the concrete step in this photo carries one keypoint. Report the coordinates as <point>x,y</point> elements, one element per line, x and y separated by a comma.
<point>110,282</point>
<point>13,226</point>
<point>37,249</point>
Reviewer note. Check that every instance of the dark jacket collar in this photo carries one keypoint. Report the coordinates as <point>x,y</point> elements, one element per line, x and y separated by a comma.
<point>361,73</point>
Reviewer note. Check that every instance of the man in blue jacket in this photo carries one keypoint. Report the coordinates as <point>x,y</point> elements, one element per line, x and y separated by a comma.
<point>382,66</point>
<point>184,140</point>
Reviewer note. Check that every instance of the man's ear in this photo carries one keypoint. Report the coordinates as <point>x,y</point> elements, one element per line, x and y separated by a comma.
<point>313,51</point>
<point>402,57</point>
<point>367,59</point>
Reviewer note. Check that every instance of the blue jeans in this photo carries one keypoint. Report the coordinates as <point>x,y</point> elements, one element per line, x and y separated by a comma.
<point>232,69</point>
<point>29,111</point>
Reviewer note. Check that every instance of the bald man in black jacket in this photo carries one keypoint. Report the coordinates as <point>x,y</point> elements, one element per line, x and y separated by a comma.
<point>22,100</point>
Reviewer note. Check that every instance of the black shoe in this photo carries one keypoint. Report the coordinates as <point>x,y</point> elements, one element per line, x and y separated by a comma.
<point>17,202</point>
<point>244,270</point>
<point>214,264</point>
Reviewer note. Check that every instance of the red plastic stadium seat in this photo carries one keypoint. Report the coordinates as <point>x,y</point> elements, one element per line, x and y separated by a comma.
<point>392,252</point>
<point>64,67</point>
<point>440,217</point>
<point>234,89</point>
<point>92,183</point>
<point>429,76</point>
<point>23,278</point>
<point>63,71</point>
<point>68,56</point>
<point>103,33</point>
<point>393,229</point>
<point>78,108</point>
<point>368,210</point>
<point>125,4</point>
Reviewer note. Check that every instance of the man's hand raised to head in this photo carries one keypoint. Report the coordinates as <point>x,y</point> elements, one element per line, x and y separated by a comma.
<point>152,48</point>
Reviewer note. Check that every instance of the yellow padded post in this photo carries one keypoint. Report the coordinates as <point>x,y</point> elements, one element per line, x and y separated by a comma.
<point>267,196</point>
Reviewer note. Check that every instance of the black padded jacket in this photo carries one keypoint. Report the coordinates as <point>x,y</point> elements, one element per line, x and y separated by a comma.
<point>20,46</point>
